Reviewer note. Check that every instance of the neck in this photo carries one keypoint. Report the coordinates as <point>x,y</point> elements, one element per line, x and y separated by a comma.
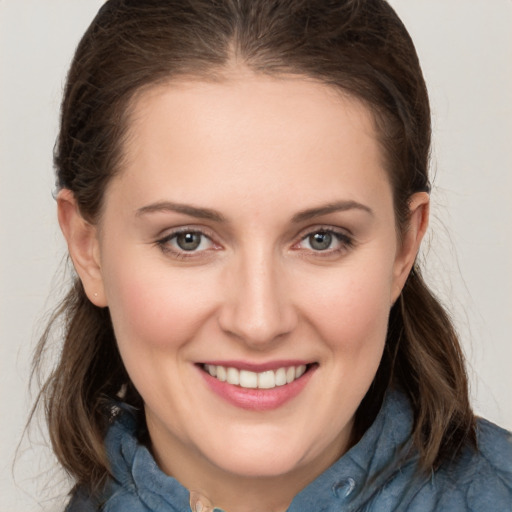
<point>234,493</point>
<point>255,497</point>
<point>238,477</point>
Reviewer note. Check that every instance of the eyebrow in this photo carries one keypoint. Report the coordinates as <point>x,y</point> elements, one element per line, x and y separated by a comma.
<point>192,211</point>
<point>339,206</point>
<point>213,215</point>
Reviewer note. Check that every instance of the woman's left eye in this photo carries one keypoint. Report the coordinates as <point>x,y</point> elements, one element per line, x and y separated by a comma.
<point>186,242</point>
<point>325,240</point>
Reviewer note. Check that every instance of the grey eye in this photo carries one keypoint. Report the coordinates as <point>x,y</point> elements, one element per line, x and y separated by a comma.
<point>320,241</point>
<point>188,241</point>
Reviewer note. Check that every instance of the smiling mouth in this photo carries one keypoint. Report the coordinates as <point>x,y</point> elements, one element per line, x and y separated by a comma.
<point>268,379</point>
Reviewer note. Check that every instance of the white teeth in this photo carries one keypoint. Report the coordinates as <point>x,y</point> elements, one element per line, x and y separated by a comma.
<point>221,373</point>
<point>263,380</point>
<point>300,371</point>
<point>233,376</point>
<point>281,377</point>
<point>267,380</point>
<point>248,379</point>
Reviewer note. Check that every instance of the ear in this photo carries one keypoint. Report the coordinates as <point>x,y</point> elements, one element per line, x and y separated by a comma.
<point>419,205</point>
<point>83,246</point>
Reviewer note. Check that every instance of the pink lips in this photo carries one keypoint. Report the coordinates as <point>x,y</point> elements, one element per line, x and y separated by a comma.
<point>256,399</point>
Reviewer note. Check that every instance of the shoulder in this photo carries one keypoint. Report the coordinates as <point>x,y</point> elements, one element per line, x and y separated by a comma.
<point>491,485</point>
<point>136,483</point>
<point>82,502</point>
<point>478,480</point>
<point>495,447</point>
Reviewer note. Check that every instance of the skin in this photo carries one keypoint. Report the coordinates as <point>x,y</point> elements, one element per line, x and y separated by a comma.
<point>257,151</point>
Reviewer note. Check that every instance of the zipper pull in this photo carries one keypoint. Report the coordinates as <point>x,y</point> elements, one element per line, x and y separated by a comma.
<point>200,503</point>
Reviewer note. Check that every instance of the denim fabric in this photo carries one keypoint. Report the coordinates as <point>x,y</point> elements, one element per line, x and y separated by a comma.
<point>379,474</point>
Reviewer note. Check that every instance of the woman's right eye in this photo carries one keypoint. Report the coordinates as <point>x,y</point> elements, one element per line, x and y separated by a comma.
<point>189,241</point>
<point>185,243</point>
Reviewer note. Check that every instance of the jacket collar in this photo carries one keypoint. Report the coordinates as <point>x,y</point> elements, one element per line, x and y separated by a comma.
<point>350,482</point>
<point>384,449</point>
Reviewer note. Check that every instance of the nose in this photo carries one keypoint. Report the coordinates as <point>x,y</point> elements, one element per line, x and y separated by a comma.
<point>258,308</point>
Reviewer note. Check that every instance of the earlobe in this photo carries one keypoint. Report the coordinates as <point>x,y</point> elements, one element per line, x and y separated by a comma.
<point>419,205</point>
<point>83,245</point>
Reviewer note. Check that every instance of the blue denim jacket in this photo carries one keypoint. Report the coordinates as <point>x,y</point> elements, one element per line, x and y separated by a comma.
<point>375,475</point>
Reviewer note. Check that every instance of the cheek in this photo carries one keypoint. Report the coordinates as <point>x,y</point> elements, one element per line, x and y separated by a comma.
<point>154,309</point>
<point>155,313</point>
<point>351,309</point>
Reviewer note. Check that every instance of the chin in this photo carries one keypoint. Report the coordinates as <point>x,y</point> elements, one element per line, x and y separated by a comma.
<point>260,458</point>
<point>256,465</point>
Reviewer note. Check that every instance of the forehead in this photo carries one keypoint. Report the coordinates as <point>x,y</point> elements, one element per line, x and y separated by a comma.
<point>249,133</point>
<point>298,103</point>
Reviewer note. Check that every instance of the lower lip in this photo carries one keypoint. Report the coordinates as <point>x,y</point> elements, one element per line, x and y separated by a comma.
<point>257,399</point>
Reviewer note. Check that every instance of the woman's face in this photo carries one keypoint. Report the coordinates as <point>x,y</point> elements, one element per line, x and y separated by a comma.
<point>250,236</point>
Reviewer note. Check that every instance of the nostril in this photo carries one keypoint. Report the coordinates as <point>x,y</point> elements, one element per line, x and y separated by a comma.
<point>256,310</point>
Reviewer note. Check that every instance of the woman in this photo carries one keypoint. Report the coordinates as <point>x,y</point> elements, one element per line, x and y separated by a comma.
<point>243,187</point>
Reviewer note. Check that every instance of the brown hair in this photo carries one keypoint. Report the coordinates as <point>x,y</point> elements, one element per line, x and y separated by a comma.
<point>358,46</point>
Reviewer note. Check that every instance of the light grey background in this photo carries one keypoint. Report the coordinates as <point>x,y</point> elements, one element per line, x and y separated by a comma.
<point>466,51</point>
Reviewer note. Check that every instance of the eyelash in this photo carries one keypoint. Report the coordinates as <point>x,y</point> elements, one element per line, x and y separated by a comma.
<point>346,242</point>
<point>180,254</point>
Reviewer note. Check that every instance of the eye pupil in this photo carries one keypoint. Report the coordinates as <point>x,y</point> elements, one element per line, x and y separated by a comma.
<point>320,241</point>
<point>188,241</point>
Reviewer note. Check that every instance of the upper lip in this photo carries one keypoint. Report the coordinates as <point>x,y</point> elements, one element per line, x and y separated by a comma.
<point>257,367</point>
